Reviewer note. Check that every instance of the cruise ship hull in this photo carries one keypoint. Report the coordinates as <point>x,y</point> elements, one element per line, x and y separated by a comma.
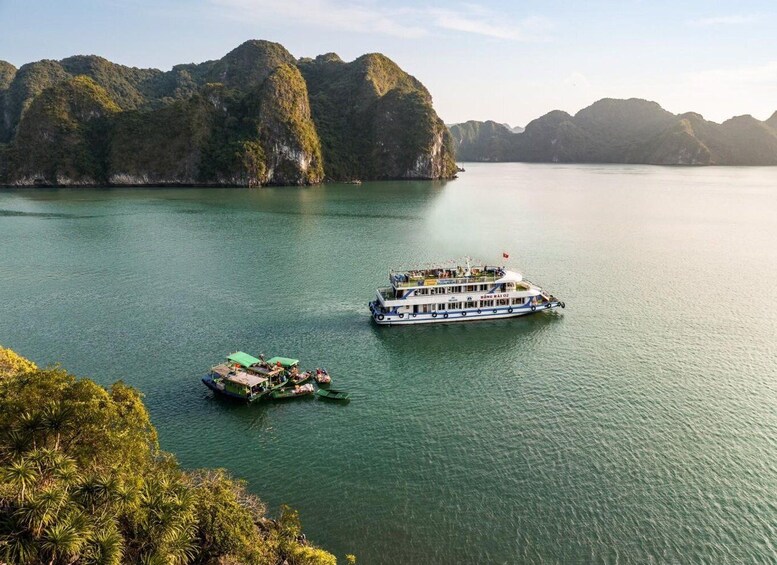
<point>404,319</point>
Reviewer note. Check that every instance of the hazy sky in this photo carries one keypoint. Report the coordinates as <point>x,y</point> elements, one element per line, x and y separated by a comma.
<point>507,61</point>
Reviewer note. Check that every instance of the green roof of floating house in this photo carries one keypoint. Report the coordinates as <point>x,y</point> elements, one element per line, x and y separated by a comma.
<point>284,361</point>
<point>243,359</point>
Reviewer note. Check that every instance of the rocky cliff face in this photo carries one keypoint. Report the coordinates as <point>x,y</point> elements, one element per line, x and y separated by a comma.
<point>256,116</point>
<point>388,128</point>
<point>61,137</point>
<point>624,131</point>
<point>286,130</point>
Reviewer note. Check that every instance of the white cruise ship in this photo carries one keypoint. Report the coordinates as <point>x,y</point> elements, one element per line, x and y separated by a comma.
<point>457,294</point>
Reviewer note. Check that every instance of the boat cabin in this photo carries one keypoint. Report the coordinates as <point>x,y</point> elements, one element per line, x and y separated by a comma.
<point>238,382</point>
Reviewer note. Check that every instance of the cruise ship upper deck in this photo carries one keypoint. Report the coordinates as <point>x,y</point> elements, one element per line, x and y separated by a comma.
<point>445,274</point>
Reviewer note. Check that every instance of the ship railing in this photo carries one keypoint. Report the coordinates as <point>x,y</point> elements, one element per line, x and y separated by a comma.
<point>387,293</point>
<point>433,281</point>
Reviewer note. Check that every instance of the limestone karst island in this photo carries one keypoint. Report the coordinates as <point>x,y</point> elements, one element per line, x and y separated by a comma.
<point>257,116</point>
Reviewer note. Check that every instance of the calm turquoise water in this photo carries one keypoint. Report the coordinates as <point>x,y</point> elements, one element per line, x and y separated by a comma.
<point>637,425</point>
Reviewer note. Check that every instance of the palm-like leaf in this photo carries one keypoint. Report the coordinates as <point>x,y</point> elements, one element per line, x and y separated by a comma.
<point>31,422</point>
<point>42,509</point>
<point>181,549</point>
<point>17,443</point>
<point>55,419</point>
<point>18,547</point>
<point>62,539</point>
<point>108,547</point>
<point>21,474</point>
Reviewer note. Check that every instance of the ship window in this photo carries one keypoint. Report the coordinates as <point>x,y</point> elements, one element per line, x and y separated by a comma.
<point>469,304</point>
<point>517,300</point>
<point>502,302</point>
<point>441,306</point>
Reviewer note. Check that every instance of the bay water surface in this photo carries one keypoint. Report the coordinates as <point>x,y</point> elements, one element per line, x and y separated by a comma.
<point>639,424</point>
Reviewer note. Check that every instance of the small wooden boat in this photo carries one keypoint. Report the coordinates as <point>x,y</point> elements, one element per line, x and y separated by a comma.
<point>297,391</point>
<point>298,379</point>
<point>322,377</point>
<point>337,395</point>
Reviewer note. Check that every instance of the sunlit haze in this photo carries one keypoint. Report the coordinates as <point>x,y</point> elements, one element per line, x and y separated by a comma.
<point>506,61</point>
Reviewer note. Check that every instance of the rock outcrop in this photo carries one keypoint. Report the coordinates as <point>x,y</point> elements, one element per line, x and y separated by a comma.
<point>62,136</point>
<point>256,116</point>
<point>388,129</point>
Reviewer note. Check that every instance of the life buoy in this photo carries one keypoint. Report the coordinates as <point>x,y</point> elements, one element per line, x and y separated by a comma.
<point>414,314</point>
<point>479,311</point>
<point>463,313</point>
<point>445,315</point>
<point>563,304</point>
<point>510,310</point>
<point>548,305</point>
<point>434,314</point>
<point>381,316</point>
<point>533,308</point>
<point>401,315</point>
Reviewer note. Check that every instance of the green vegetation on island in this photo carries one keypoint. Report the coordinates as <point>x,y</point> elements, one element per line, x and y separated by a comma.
<point>622,131</point>
<point>256,116</point>
<point>83,481</point>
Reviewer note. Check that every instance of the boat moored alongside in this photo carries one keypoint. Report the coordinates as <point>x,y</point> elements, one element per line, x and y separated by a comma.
<point>295,392</point>
<point>334,395</point>
<point>322,377</point>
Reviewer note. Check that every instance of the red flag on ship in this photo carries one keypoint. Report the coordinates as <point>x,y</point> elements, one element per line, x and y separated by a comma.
<point>505,255</point>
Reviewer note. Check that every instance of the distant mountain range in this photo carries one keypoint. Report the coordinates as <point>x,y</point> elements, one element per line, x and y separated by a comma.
<point>256,116</point>
<point>622,131</point>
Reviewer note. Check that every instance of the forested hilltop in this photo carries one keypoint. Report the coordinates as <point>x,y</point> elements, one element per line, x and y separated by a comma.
<point>83,481</point>
<point>256,116</point>
<point>622,131</point>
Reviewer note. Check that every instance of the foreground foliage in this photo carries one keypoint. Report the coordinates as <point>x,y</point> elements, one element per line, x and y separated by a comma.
<point>82,480</point>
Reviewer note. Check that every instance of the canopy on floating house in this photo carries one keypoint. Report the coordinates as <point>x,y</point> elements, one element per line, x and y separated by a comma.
<point>243,359</point>
<point>284,361</point>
